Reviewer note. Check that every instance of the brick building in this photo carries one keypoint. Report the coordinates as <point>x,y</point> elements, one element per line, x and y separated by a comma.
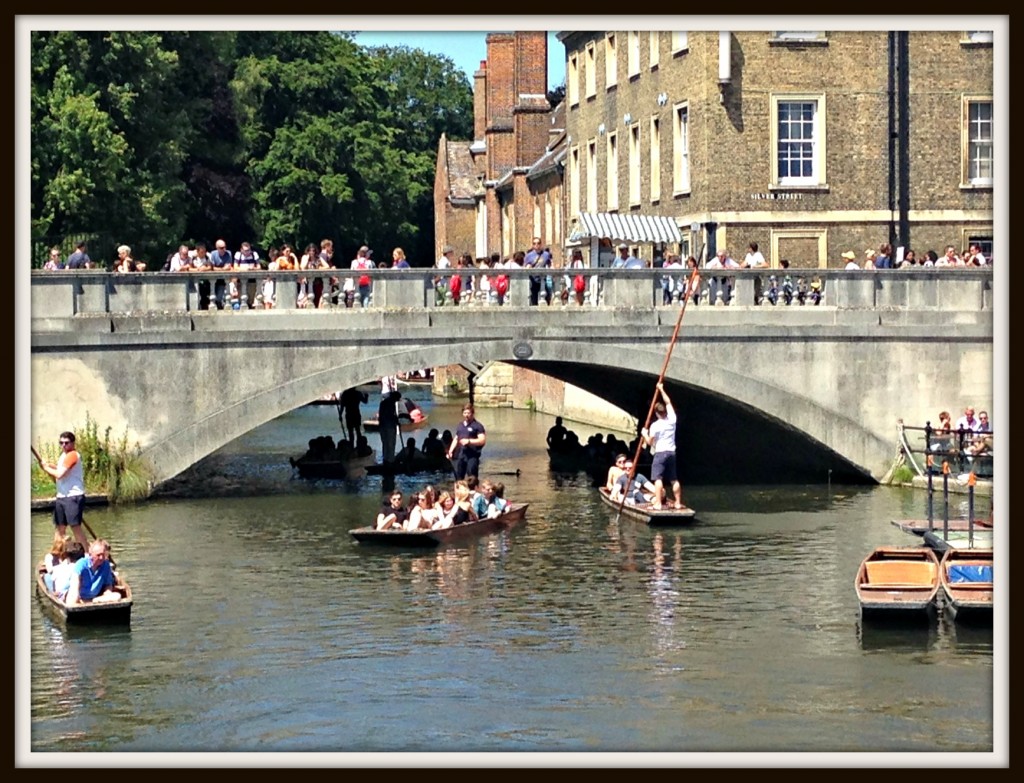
<point>808,143</point>
<point>498,191</point>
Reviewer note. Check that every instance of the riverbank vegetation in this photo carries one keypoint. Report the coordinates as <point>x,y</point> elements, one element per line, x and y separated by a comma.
<point>111,467</point>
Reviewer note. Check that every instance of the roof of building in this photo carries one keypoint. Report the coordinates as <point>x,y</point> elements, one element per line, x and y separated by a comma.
<point>463,182</point>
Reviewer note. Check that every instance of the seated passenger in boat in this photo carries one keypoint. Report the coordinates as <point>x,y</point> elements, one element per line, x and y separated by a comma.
<point>456,508</point>
<point>57,553</point>
<point>426,511</point>
<point>407,456</point>
<point>92,578</point>
<point>393,513</point>
<point>488,504</point>
<point>641,490</point>
<point>432,447</point>
<point>617,469</point>
<point>58,579</point>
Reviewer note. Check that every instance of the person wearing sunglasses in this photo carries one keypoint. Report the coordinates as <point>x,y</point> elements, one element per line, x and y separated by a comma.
<point>70,479</point>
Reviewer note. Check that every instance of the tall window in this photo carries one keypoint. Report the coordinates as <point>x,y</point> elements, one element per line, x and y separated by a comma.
<point>612,196</point>
<point>537,225</point>
<point>679,42</point>
<point>572,83</point>
<point>978,137</point>
<point>653,53</point>
<point>611,61</point>
<point>574,180</point>
<point>591,176</point>
<point>590,74</point>
<point>549,216</point>
<point>798,146</point>
<point>634,164</point>
<point>633,54</point>
<point>681,150</point>
<point>655,178</point>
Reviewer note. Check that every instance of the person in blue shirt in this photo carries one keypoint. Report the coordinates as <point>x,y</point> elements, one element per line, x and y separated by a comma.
<point>79,259</point>
<point>537,257</point>
<point>92,578</point>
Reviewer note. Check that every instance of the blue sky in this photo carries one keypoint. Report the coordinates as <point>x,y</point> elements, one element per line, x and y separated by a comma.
<point>466,48</point>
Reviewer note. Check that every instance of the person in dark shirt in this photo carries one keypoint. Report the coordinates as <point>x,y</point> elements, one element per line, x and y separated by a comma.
<point>393,512</point>
<point>79,259</point>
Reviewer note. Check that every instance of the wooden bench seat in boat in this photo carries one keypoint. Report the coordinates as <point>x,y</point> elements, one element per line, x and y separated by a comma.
<point>887,574</point>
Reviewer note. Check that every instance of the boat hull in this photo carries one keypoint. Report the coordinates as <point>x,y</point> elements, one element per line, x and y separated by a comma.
<point>649,515</point>
<point>966,579</point>
<point>87,614</point>
<point>894,581</point>
<point>434,538</point>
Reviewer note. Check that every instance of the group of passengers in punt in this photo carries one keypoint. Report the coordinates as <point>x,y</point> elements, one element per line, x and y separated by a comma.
<point>429,509</point>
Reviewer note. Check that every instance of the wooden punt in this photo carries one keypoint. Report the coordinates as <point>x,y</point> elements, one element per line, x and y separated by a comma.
<point>898,581</point>
<point>419,465</point>
<point>103,613</point>
<point>332,468</point>
<point>432,538</point>
<point>921,526</point>
<point>405,422</point>
<point>645,512</point>
<point>966,540</point>
<point>966,579</point>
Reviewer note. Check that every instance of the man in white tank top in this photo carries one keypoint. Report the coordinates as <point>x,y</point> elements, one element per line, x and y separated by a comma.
<point>70,479</point>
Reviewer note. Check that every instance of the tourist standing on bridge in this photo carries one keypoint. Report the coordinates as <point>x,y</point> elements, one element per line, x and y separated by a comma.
<point>469,441</point>
<point>661,439</point>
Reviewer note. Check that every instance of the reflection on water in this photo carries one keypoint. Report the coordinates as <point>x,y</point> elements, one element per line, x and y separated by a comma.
<point>260,624</point>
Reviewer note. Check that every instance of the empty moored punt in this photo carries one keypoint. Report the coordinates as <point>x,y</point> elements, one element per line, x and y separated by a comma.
<point>898,581</point>
<point>645,512</point>
<point>966,578</point>
<point>921,526</point>
<point>91,613</point>
<point>431,538</point>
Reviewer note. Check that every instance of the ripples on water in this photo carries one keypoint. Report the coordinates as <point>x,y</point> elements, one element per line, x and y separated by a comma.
<point>261,625</point>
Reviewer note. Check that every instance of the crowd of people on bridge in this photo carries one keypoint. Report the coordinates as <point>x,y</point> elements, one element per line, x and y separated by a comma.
<point>463,279</point>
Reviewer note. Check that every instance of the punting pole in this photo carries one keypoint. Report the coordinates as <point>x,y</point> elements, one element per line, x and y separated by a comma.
<point>654,399</point>
<point>945,500</point>
<point>931,490</point>
<point>971,480</point>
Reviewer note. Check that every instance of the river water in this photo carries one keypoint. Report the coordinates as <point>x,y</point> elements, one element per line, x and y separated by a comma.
<point>260,625</point>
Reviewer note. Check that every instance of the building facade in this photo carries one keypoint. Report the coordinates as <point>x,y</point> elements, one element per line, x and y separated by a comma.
<point>807,143</point>
<point>494,194</point>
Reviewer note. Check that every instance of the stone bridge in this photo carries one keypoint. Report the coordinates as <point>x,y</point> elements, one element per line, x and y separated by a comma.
<point>764,392</point>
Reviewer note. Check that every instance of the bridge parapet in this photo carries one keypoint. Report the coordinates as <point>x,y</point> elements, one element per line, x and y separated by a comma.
<point>63,294</point>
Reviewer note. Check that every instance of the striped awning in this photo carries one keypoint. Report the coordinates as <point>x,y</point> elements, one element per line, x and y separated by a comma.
<point>625,228</point>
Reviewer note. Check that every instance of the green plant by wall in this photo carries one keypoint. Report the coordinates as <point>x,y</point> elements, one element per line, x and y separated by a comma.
<point>531,404</point>
<point>903,474</point>
<point>111,468</point>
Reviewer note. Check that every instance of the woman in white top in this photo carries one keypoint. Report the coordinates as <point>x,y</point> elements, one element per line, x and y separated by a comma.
<point>426,511</point>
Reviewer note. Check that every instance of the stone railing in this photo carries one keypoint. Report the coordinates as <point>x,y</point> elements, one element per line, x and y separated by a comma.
<point>63,294</point>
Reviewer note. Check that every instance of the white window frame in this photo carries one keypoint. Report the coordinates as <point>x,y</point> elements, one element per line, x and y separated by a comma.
<point>481,228</point>
<point>680,41</point>
<point>799,35</point>
<point>680,148</point>
<point>611,60</point>
<point>817,156</point>
<point>573,81</point>
<point>592,175</point>
<point>655,175</point>
<point>612,171</point>
<point>977,36</point>
<point>590,72</point>
<point>976,149</point>
<point>653,49</point>
<point>633,54</point>
<point>634,164</point>
<point>574,179</point>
